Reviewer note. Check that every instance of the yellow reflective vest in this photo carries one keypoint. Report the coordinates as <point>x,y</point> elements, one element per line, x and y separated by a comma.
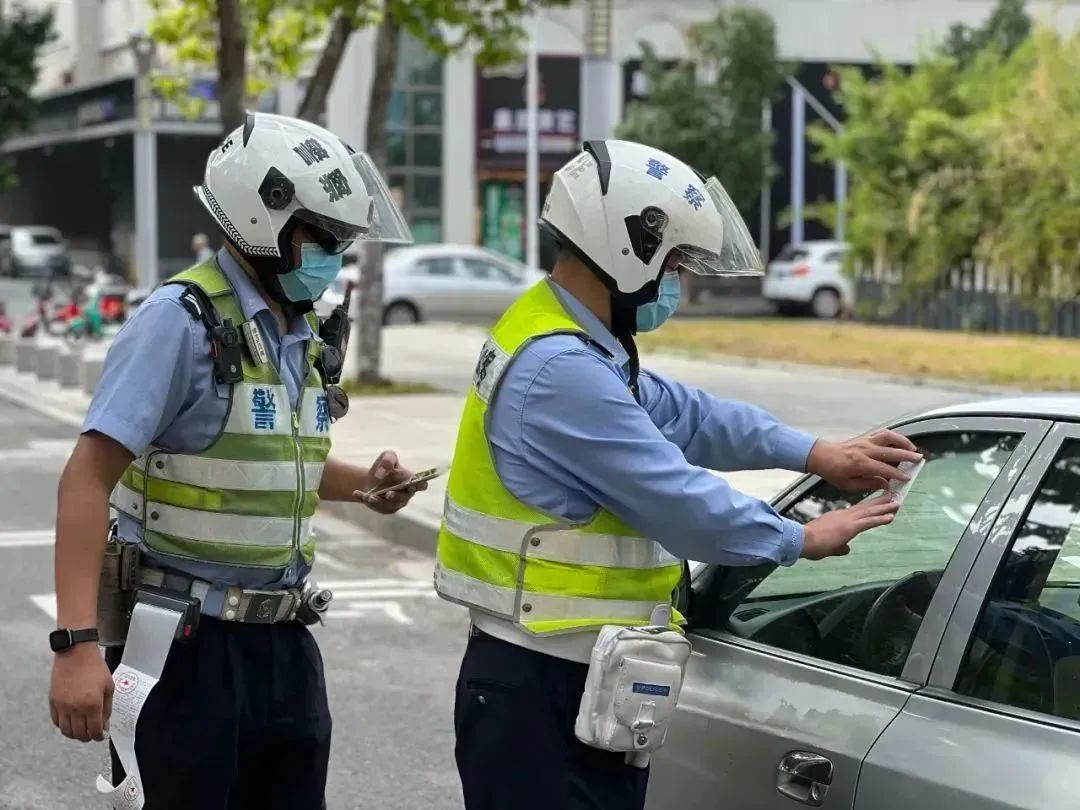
<point>499,555</point>
<point>246,501</point>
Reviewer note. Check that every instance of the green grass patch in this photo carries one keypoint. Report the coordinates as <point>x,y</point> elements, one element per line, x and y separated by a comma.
<point>1026,361</point>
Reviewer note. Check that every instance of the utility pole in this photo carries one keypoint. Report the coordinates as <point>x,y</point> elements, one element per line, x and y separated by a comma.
<point>145,148</point>
<point>532,148</point>
<point>598,73</point>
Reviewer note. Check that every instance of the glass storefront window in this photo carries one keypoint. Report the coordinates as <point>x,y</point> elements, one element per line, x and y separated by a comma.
<point>415,143</point>
<point>427,110</point>
<point>426,190</point>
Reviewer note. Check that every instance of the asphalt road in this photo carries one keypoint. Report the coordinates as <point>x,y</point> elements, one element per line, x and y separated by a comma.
<point>391,653</point>
<point>826,403</point>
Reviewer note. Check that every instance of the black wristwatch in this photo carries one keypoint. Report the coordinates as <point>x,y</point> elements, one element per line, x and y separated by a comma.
<point>64,639</point>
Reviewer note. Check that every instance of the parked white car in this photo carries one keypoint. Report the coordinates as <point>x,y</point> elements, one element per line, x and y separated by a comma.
<point>810,276</point>
<point>429,282</point>
<point>33,250</point>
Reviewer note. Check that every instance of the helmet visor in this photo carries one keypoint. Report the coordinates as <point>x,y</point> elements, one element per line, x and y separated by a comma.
<point>738,256</point>
<point>382,222</point>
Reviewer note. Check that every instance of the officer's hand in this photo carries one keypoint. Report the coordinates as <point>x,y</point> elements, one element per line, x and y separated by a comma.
<point>385,472</point>
<point>80,694</point>
<point>863,464</point>
<point>829,535</point>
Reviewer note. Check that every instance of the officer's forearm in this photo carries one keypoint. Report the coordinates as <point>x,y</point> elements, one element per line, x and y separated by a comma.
<point>82,523</point>
<point>341,479</point>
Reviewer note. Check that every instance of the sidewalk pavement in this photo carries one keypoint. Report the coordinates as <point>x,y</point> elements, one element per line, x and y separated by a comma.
<point>421,428</point>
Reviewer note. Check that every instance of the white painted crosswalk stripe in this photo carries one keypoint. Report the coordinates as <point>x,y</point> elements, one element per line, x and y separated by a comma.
<point>22,539</point>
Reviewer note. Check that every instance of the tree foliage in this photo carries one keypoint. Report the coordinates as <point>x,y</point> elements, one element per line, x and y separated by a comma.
<point>276,39</point>
<point>1005,30</point>
<point>968,159</point>
<point>707,109</point>
<point>23,32</point>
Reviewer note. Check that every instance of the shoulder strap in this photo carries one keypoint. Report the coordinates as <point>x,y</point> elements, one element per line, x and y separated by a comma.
<point>225,339</point>
<point>198,303</point>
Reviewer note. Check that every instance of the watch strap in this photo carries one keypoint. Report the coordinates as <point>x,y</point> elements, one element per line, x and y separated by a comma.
<point>64,639</point>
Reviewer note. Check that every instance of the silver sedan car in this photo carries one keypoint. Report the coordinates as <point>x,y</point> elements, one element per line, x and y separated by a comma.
<point>935,666</point>
<point>442,282</point>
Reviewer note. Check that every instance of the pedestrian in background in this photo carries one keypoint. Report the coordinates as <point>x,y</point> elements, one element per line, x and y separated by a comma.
<point>200,246</point>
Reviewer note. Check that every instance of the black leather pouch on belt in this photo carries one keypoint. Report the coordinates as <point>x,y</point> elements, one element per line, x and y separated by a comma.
<point>116,591</point>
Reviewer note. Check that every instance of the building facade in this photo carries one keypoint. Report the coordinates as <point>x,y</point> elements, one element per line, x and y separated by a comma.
<point>456,131</point>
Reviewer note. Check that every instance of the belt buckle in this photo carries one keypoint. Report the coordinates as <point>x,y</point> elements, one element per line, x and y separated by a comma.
<point>253,607</point>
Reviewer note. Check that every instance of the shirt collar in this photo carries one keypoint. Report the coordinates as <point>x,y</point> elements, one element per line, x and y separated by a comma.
<point>250,299</point>
<point>592,325</point>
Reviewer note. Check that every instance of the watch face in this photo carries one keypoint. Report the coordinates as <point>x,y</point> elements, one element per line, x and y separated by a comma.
<point>59,640</point>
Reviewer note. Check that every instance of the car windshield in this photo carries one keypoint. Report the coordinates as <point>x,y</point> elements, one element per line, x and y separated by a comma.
<point>790,253</point>
<point>44,239</point>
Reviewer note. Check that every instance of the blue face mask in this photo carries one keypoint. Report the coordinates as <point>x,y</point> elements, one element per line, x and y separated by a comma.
<point>652,315</point>
<point>310,280</point>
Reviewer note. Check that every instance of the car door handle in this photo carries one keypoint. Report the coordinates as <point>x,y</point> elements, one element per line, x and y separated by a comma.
<point>804,777</point>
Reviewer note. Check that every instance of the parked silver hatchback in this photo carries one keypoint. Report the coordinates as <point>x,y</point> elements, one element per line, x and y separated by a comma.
<point>935,666</point>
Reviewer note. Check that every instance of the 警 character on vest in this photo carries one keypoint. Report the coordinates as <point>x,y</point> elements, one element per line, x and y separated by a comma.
<point>209,434</point>
<point>580,483</point>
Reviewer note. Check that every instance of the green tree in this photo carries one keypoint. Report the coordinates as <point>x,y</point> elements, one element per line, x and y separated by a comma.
<point>23,32</point>
<point>917,144</point>
<point>1007,27</point>
<point>261,41</point>
<point>707,110</point>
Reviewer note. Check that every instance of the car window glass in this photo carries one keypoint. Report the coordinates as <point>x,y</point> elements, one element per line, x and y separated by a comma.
<point>44,239</point>
<point>845,609</point>
<point>437,266</point>
<point>482,270</point>
<point>792,254</point>
<point>835,257</point>
<point>1025,651</point>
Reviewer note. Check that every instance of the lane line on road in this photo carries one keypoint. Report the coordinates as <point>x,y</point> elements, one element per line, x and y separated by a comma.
<point>324,560</point>
<point>47,602</point>
<point>23,539</point>
<point>392,611</point>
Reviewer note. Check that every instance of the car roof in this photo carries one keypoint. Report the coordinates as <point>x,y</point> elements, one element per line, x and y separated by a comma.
<point>414,252</point>
<point>1037,406</point>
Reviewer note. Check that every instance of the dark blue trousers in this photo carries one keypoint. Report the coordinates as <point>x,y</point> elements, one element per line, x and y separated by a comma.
<point>516,750</point>
<point>239,720</point>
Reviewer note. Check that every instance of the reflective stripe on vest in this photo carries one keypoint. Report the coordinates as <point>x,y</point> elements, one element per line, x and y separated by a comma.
<point>247,500</point>
<point>501,556</point>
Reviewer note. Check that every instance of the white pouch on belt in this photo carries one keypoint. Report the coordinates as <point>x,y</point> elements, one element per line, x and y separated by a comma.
<point>635,676</point>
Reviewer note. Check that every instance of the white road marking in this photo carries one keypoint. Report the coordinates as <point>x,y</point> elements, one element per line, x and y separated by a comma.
<point>359,610</point>
<point>47,602</point>
<point>23,539</point>
<point>38,450</point>
<point>324,560</point>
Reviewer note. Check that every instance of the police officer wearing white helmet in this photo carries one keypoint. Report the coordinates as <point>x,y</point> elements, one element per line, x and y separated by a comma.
<point>209,436</point>
<point>580,483</point>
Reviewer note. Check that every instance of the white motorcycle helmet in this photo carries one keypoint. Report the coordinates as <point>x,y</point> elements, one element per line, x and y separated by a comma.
<point>274,173</point>
<point>630,212</point>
